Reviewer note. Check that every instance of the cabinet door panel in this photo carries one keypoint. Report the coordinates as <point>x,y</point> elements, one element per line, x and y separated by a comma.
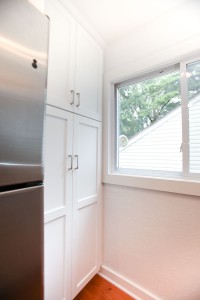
<point>88,137</point>
<point>58,203</point>
<point>85,264</point>
<point>87,147</point>
<point>86,190</point>
<point>58,145</point>
<point>88,76</point>
<point>54,259</point>
<point>61,58</point>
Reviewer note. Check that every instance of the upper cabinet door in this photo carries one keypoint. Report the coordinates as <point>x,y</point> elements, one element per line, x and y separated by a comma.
<point>88,76</point>
<point>61,57</point>
<point>75,65</point>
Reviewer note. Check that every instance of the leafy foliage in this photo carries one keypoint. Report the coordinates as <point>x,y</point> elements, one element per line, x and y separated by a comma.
<point>193,72</point>
<point>143,103</point>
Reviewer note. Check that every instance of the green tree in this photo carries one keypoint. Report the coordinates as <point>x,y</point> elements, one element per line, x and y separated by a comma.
<point>143,103</point>
<point>193,71</point>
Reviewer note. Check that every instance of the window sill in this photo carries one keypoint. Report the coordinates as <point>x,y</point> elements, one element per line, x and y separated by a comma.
<point>172,185</point>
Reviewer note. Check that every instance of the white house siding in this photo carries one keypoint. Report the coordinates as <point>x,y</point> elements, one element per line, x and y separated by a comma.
<point>158,149</point>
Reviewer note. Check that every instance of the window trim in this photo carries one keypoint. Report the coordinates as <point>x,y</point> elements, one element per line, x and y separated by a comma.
<point>185,183</point>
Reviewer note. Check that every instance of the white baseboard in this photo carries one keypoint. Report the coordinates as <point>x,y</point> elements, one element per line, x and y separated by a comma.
<point>129,287</point>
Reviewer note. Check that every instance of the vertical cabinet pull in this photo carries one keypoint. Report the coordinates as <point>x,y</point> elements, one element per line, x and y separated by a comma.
<point>72,97</point>
<point>78,98</point>
<point>76,157</point>
<point>71,166</point>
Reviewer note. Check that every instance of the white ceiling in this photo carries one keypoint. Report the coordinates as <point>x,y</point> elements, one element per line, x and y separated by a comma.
<point>114,18</point>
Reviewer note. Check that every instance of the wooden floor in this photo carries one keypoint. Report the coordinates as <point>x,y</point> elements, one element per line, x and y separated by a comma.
<point>100,289</point>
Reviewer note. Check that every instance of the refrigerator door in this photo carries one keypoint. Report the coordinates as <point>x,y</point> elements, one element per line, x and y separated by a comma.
<point>21,238</point>
<point>23,71</point>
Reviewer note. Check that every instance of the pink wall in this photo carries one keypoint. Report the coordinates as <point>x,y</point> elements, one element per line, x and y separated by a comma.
<point>152,239</point>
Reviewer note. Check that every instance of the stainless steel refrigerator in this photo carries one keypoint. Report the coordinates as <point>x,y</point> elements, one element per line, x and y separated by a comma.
<point>23,72</point>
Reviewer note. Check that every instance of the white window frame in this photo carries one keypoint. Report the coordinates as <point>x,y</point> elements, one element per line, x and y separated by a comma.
<point>170,182</point>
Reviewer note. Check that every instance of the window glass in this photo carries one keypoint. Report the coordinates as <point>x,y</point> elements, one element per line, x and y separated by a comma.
<point>193,84</point>
<point>149,124</point>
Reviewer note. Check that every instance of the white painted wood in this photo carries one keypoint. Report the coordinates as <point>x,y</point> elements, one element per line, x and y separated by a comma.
<point>54,257</point>
<point>85,249</point>
<point>86,202</point>
<point>69,134</point>
<point>88,76</point>
<point>75,65</point>
<point>129,287</point>
<point>58,202</point>
<point>61,57</point>
<point>58,145</point>
<point>83,21</point>
<point>86,146</point>
<point>54,214</point>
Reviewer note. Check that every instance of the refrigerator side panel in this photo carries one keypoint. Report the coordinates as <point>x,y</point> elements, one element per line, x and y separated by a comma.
<point>21,238</point>
<point>23,65</point>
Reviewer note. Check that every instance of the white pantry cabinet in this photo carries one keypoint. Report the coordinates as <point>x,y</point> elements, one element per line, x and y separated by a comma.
<point>75,65</point>
<point>72,202</point>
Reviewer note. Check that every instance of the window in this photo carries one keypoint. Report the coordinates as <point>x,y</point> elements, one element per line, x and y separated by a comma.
<point>158,123</point>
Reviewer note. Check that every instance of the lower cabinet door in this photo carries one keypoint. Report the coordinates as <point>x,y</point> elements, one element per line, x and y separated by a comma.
<point>86,202</point>
<point>58,203</point>
<point>55,259</point>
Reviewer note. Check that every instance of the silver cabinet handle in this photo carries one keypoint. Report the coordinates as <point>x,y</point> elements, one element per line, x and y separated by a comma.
<point>71,165</point>
<point>78,97</point>
<point>76,156</point>
<point>72,97</point>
